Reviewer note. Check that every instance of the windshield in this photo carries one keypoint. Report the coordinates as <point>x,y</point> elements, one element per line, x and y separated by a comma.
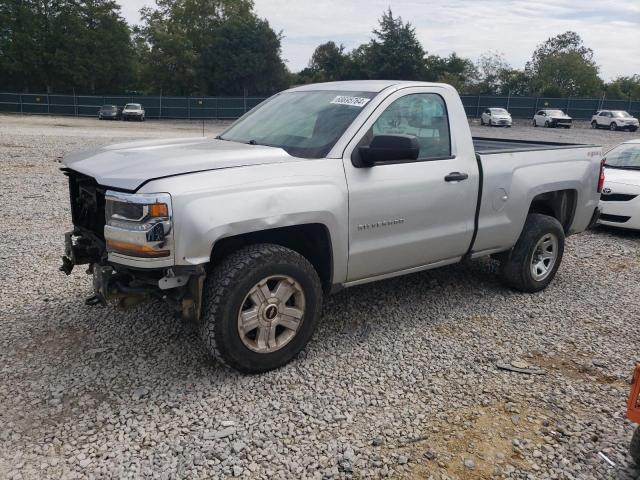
<point>626,155</point>
<point>499,111</point>
<point>108,107</point>
<point>305,124</point>
<point>620,114</point>
<point>555,112</point>
<point>132,106</point>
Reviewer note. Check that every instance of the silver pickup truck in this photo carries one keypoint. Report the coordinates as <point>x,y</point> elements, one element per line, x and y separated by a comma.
<point>318,188</point>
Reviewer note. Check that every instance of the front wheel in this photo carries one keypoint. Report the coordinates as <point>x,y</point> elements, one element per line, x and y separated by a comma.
<point>261,306</point>
<point>534,261</point>
<point>535,124</point>
<point>633,129</point>
<point>547,124</point>
<point>613,127</point>
<point>594,124</point>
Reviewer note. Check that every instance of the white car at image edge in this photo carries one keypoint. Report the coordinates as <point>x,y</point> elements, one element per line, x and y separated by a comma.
<point>620,198</point>
<point>614,120</point>
<point>496,117</point>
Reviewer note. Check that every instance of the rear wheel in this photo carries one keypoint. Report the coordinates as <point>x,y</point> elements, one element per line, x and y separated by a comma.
<point>534,261</point>
<point>261,306</point>
<point>613,127</point>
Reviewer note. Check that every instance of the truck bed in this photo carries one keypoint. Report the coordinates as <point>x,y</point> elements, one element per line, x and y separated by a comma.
<point>485,146</point>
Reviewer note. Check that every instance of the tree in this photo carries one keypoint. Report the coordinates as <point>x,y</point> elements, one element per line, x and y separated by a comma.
<point>564,66</point>
<point>624,88</point>
<point>209,47</point>
<point>329,61</point>
<point>395,52</point>
<point>491,68</point>
<point>64,44</point>
<point>243,56</point>
<point>454,70</point>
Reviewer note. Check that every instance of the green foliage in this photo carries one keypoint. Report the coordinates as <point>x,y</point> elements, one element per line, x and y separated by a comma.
<point>58,46</point>
<point>209,47</point>
<point>395,52</point>
<point>563,66</point>
<point>624,88</point>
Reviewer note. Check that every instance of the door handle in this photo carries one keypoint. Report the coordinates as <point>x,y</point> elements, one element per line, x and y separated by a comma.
<point>456,177</point>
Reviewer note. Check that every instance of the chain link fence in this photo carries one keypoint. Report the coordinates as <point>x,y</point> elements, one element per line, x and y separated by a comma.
<point>525,107</point>
<point>234,107</point>
<point>155,107</point>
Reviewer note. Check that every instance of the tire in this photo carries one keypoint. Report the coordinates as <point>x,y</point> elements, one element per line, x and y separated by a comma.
<point>634,446</point>
<point>227,293</point>
<point>613,127</point>
<point>518,266</point>
<point>633,129</point>
<point>481,121</point>
<point>535,124</point>
<point>546,124</point>
<point>594,125</point>
<point>491,123</point>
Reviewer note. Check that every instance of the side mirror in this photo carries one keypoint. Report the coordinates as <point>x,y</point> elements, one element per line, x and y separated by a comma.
<point>389,149</point>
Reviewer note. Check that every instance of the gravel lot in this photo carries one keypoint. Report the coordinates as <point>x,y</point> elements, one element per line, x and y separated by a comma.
<point>399,381</point>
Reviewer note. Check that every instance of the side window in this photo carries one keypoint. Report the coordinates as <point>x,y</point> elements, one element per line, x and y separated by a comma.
<point>423,115</point>
<point>540,113</point>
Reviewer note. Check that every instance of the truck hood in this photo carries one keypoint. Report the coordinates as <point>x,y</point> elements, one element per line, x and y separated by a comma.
<point>128,165</point>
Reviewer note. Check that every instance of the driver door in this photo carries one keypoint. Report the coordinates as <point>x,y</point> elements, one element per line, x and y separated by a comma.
<point>405,215</point>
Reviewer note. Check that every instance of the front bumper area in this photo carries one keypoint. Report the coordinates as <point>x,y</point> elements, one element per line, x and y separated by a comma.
<point>128,285</point>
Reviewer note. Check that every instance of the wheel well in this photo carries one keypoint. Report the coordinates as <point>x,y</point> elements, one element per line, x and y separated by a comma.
<point>560,204</point>
<point>312,241</point>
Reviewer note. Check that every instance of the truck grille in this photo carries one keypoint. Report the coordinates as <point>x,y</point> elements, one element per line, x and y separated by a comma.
<point>87,203</point>
<point>617,197</point>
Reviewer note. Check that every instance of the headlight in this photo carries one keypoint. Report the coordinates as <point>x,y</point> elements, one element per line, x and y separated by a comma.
<point>138,225</point>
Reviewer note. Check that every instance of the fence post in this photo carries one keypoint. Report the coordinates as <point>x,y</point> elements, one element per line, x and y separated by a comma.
<point>478,107</point>
<point>189,107</point>
<point>160,114</point>
<point>568,103</point>
<point>20,96</point>
<point>535,108</point>
<point>629,104</point>
<point>48,109</point>
<point>508,99</point>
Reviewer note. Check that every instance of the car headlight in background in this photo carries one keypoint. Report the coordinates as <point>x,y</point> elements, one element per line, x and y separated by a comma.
<point>138,225</point>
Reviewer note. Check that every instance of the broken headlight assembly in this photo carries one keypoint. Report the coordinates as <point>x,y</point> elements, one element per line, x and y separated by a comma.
<point>138,224</point>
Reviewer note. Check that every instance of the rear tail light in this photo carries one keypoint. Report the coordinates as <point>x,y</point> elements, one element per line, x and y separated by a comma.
<point>601,178</point>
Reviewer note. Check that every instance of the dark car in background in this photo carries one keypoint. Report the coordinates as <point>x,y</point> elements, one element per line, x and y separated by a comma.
<point>110,112</point>
<point>133,111</point>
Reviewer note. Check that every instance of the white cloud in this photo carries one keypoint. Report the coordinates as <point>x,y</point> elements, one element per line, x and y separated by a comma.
<point>469,27</point>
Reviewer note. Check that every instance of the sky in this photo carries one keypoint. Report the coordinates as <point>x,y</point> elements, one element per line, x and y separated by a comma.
<point>468,27</point>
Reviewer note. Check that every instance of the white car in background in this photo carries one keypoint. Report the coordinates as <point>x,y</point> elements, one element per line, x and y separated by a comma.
<point>614,120</point>
<point>496,116</point>
<point>552,118</point>
<point>620,198</point>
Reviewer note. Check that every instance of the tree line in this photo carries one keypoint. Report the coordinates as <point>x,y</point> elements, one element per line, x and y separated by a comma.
<point>222,47</point>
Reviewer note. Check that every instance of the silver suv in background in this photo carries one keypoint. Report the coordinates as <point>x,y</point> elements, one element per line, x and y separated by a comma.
<point>133,111</point>
<point>496,116</point>
<point>614,120</point>
<point>552,118</point>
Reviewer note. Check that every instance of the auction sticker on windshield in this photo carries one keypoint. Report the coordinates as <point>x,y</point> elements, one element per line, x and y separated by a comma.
<point>353,101</point>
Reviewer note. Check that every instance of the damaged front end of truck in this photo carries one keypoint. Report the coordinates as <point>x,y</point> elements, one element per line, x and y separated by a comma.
<point>126,240</point>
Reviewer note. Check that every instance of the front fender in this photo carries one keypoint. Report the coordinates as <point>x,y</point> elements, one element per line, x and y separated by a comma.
<point>209,206</point>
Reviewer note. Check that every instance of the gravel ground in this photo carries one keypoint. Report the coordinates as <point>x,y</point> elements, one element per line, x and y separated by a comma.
<point>400,380</point>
